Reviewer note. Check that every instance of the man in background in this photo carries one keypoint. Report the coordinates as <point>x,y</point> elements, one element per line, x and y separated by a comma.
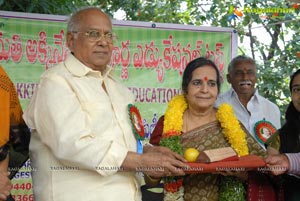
<point>250,107</point>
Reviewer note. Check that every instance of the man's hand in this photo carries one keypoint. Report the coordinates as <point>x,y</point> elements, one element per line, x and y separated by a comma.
<point>163,150</point>
<point>5,185</point>
<point>161,161</point>
<point>278,164</point>
<point>156,162</point>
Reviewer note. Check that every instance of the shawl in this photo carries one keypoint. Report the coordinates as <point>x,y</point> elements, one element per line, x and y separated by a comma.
<point>14,134</point>
<point>11,112</point>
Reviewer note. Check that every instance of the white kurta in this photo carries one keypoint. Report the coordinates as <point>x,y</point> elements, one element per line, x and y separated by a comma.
<point>80,136</point>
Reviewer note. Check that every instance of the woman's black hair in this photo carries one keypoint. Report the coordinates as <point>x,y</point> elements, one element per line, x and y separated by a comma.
<point>193,65</point>
<point>293,77</point>
<point>289,132</point>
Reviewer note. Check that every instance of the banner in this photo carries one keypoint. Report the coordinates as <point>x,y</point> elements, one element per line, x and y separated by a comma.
<point>149,58</point>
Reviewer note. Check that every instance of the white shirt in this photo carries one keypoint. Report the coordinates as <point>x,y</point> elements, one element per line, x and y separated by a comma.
<point>80,136</point>
<point>259,108</point>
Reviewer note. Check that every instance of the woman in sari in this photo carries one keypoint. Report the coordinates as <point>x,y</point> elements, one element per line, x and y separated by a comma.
<point>193,117</point>
<point>288,145</point>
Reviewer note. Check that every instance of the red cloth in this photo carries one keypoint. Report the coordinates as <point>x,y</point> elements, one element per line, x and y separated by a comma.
<point>249,162</point>
<point>10,108</point>
<point>157,132</point>
<point>261,187</point>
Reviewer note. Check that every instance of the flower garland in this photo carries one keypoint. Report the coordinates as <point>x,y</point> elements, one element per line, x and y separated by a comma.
<point>232,129</point>
<point>174,116</point>
<point>173,121</point>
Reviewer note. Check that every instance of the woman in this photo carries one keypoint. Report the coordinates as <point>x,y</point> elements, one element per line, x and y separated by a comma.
<point>199,125</point>
<point>289,141</point>
<point>15,135</point>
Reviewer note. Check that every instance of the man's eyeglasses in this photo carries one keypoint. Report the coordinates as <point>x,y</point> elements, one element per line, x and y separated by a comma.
<point>95,36</point>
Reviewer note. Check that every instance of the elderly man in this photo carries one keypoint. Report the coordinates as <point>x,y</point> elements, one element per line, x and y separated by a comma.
<point>82,146</point>
<point>254,111</point>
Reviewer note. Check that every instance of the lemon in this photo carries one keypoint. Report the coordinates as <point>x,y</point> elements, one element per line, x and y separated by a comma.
<point>191,154</point>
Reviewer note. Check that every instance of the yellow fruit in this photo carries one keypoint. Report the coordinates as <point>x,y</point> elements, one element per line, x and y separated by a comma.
<point>191,154</point>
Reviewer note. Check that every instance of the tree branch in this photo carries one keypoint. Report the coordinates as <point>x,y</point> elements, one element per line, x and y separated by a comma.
<point>252,42</point>
<point>274,41</point>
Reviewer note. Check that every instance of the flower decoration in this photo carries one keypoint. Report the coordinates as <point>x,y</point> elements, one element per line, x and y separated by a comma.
<point>231,187</point>
<point>173,116</point>
<point>173,124</point>
<point>173,121</point>
<point>136,122</point>
<point>232,129</point>
<point>263,130</point>
<point>137,126</point>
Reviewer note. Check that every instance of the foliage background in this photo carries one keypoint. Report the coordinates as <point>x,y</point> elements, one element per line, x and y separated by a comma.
<point>272,39</point>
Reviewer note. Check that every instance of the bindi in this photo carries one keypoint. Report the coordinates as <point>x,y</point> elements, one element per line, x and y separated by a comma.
<point>205,78</point>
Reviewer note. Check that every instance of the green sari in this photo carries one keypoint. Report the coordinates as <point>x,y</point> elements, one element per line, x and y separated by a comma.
<point>206,186</point>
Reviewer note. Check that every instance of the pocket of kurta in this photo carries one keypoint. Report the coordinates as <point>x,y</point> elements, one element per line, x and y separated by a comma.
<point>100,115</point>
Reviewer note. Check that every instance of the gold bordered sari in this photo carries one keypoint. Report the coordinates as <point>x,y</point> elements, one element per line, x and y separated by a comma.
<point>206,186</point>
<point>202,187</point>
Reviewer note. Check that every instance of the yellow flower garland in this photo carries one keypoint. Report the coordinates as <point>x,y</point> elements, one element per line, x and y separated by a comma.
<point>174,116</point>
<point>232,129</point>
<point>230,125</point>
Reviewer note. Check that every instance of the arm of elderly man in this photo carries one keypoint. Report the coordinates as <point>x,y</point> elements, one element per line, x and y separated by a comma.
<point>88,127</point>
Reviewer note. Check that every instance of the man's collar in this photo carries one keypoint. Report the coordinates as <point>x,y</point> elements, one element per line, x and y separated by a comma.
<point>78,69</point>
<point>255,96</point>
